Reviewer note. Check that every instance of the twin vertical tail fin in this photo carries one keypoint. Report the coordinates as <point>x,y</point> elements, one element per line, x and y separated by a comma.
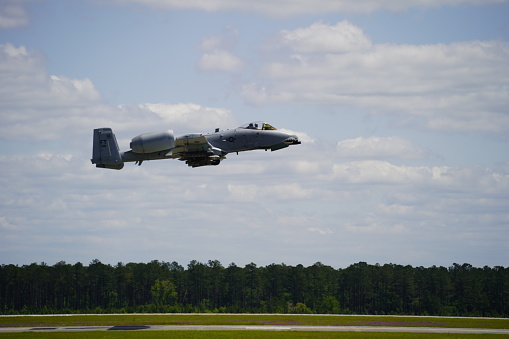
<point>106,153</point>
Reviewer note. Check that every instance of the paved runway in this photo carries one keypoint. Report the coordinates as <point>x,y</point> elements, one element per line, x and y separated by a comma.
<point>256,328</point>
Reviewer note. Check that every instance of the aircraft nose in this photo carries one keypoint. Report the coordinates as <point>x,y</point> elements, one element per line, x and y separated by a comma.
<point>292,140</point>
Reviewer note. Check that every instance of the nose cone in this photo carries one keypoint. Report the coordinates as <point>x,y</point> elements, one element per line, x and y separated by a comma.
<point>292,140</point>
<point>282,140</point>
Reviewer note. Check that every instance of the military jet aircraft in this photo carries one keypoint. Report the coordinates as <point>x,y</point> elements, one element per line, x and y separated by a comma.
<point>195,149</point>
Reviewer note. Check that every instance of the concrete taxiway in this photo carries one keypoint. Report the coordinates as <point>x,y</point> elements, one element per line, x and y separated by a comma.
<point>256,328</point>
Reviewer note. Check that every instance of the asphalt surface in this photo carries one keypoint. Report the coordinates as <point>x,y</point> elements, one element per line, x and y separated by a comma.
<point>256,328</point>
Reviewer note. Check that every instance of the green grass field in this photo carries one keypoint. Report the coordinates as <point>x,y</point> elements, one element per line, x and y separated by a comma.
<point>245,334</point>
<point>249,319</point>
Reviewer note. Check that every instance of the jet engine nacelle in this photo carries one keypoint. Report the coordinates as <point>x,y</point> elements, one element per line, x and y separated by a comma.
<point>153,142</point>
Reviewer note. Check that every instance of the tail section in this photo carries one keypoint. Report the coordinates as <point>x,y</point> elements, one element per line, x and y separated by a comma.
<point>105,150</point>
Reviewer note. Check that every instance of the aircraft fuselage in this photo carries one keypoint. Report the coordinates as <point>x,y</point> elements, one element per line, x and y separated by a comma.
<point>195,149</point>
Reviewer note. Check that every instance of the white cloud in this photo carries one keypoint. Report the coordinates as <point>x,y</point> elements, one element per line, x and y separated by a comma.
<point>212,43</point>
<point>219,60</point>
<point>243,192</point>
<point>218,54</point>
<point>402,70</point>
<point>252,192</point>
<point>291,191</point>
<point>381,172</point>
<point>40,106</point>
<point>255,94</point>
<point>459,86</point>
<point>375,172</point>
<point>13,14</point>
<point>396,209</point>
<point>201,118</point>
<point>321,38</point>
<point>379,148</point>
<point>6,224</point>
<point>326,231</point>
<point>224,41</point>
<point>17,66</point>
<point>371,226</point>
<point>291,8</point>
<point>73,91</point>
<point>306,167</point>
<point>37,105</point>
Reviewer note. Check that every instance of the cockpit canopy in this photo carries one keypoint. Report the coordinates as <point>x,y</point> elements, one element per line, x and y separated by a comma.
<point>259,125</point>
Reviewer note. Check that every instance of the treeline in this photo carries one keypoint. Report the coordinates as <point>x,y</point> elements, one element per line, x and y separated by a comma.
<point>459,290</point>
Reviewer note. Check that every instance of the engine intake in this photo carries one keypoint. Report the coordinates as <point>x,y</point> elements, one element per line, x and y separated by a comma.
<point>153,142</point>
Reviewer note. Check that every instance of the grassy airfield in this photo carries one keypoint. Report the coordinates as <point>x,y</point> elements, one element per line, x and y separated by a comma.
<point>249,319</point>
<point>245,334</point>
<point>245,319</point>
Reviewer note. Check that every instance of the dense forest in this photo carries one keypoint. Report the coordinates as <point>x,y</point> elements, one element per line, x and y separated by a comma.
<point>460,290</point>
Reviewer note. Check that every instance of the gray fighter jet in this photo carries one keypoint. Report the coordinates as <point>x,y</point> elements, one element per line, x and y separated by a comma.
<point>195,149</point>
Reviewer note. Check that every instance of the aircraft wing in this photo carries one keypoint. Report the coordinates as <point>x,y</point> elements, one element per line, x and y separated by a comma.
<point>196,151</point>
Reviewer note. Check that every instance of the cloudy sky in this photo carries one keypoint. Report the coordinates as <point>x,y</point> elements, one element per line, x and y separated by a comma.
<point>402,107</point>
